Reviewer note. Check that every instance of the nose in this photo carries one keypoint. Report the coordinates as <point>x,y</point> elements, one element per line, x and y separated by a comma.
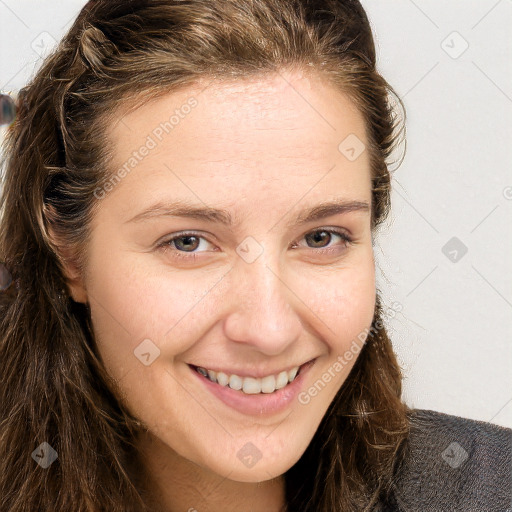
<point>261,310</point>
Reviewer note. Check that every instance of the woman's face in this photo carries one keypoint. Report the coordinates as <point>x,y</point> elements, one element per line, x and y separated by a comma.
<point>256,285</point>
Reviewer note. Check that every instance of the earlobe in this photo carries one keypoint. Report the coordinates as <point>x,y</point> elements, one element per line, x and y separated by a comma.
<point>77,290</point>
<point>74,281</point>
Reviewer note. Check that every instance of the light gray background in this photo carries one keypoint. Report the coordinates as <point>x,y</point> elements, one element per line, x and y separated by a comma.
<point>450,61</point>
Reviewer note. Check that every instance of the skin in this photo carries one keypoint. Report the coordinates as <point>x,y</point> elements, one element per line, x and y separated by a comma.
<point>263,149</point>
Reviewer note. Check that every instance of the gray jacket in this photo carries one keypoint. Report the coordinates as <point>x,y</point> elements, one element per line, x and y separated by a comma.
<point>455,465</point>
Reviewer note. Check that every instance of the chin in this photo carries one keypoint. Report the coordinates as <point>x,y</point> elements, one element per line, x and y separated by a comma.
<point>259,471</point>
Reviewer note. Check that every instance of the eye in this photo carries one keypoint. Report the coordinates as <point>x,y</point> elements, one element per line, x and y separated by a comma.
<point>322,235</point>
<point>184,245</point>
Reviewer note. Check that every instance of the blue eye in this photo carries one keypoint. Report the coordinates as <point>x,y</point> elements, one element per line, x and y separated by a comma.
<point>180,242</point>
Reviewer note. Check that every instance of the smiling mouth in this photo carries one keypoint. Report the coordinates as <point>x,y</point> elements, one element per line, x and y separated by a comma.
<point>251,385</point>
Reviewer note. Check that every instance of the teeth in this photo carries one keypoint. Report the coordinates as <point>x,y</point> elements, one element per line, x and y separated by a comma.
<point>221,379</point>
<point>293,373</point>
<point>282,380</point>
<point>235,382</point>
<point>268,384</point>
<point>251,385</point>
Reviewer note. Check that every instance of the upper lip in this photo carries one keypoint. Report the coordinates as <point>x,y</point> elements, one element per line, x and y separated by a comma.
<point>257,373</point>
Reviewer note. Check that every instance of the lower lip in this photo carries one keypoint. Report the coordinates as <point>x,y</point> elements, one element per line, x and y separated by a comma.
<point>261,403</point>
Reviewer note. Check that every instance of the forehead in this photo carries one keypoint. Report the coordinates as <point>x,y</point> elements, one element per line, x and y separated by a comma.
<point>254,134</point>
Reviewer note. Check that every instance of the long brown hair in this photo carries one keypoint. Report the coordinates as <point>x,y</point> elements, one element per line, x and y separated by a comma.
<point>54,387</point>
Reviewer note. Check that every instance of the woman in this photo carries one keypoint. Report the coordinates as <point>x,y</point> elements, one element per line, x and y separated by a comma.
<point>190,196</point>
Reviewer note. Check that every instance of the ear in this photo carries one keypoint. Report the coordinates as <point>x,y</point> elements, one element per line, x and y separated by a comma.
<point>74,280</point>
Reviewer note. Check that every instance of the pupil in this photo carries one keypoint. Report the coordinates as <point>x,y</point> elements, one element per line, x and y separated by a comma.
<point>187,241</point>
<point>318,235</point>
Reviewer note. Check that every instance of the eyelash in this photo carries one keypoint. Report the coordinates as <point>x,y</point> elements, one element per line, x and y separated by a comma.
<point>165,245</point>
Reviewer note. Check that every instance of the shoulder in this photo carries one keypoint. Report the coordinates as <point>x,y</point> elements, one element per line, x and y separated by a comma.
<point>454,463</point>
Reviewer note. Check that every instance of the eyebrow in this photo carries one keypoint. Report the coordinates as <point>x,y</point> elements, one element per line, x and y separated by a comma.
<point>224,217</point>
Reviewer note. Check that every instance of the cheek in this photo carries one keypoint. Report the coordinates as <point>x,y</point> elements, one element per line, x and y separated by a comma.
<point>132,303</point>
<point>344,305</point>
<point>344,299</point>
